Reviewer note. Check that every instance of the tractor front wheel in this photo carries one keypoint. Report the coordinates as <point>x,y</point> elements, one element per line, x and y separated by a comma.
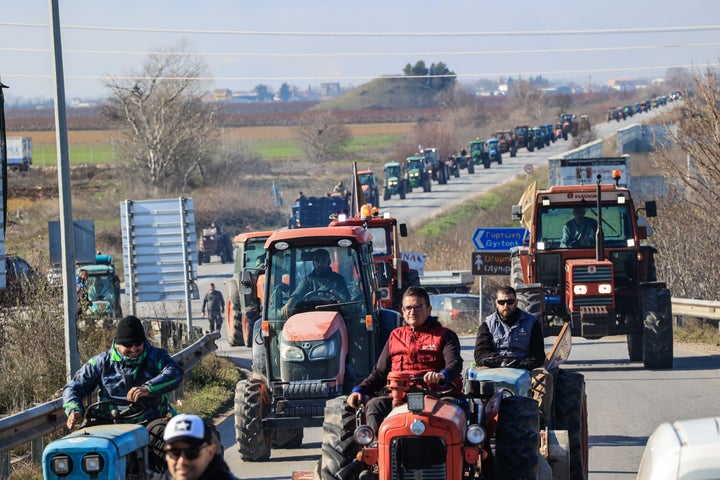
<point>338,445</point>
<point>516,439</point>
<point>657,328</point>
<point>252,403</point>
<point>570,413</point>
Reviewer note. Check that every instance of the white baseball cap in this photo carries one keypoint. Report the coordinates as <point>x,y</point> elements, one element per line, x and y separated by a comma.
<point>186,428</point>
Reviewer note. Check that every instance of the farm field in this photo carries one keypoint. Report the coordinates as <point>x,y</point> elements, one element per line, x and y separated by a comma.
<point>95,146</point>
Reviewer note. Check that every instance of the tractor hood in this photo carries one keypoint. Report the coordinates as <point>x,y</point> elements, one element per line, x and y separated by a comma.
<point>313,346</point>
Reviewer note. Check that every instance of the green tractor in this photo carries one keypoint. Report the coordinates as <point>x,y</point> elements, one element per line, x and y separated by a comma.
<point>395,181</point>
<point>103,287</point>
<point>417,174</point>
<point>478,153</point>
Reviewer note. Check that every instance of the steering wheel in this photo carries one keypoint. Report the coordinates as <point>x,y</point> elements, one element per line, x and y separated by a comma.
<point>123,411</point>
<point>322,296</point>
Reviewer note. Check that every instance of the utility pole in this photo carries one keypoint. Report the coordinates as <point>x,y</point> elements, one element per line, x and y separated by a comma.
<point>67,232</point>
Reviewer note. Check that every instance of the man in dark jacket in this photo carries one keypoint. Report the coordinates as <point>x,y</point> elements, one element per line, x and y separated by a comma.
<point>214,306</point>
<point>421,347</point>
<point>131,370</point>
<point>192,452</point>
<point>512,335</point>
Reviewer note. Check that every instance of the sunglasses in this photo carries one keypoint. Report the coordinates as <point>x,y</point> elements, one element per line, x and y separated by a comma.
<point>131,345</point>
<point>191,453</point>
<point>508,301</point>
<point>410,308</point>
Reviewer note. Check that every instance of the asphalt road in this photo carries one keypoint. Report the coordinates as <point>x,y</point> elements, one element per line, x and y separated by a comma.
<point>625,402</point>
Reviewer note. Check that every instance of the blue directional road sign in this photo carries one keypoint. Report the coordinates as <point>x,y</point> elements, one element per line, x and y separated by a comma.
<point>498,239</point>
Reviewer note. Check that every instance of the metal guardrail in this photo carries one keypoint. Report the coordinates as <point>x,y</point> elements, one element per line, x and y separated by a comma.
<point>685,307</point>
<point>26,426</point>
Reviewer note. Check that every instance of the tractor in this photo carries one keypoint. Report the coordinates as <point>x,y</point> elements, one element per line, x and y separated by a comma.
<point>478,153</point>
<point>386,234</point>
<point>395,181</point>
<point>316,348</point>
<point>493,152</point>
<point>507,142</point>
<point>524,137</point>
<point>491,432</point>
<point>369,185</point>
<point>418,175</point>
<point>214,242</point>
<point>103,287</point>
<point>244,289</point>
<point>437,166</point>
<point>604,285</point>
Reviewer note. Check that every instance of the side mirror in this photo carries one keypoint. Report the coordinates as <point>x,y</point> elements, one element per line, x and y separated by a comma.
<point>650,209</point>
<point>384,274</point>
<point>246,280</point>
<point>403,230</point>
<point>516,213</point>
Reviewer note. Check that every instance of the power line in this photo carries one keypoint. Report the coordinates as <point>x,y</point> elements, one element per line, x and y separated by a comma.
<point>364,54</point>
<point>519,33</point>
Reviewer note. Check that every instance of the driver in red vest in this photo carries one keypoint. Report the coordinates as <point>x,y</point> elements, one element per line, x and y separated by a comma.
<point>421,347</point>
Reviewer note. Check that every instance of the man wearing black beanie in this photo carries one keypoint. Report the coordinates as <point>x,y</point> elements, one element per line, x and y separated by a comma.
<point>132,370</point>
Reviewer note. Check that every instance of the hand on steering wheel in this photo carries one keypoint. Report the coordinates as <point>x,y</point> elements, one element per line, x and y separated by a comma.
<point>322,295</point>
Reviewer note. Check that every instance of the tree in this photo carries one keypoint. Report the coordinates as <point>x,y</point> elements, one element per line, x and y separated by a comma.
<point>438,77</point>
<point>689,159</point>
<point>264,93</point>
<point>165,129</point>
<point>285,93</point>
<point>323,136</point>
<point>528,98</point>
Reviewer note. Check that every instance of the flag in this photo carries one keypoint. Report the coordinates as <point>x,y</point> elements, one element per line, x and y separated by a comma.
<point>527,202</point>
<point>357,198</point>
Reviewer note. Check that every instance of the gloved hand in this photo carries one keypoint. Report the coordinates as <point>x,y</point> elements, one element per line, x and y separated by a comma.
<point>493,361</point>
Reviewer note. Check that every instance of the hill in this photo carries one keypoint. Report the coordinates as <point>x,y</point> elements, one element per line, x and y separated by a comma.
<point>385,93</point>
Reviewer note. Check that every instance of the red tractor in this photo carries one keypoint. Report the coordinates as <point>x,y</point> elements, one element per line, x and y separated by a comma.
<point>386,233</point>
<point>244,289</point>
<point>491,432</point>
<point>601,284</point>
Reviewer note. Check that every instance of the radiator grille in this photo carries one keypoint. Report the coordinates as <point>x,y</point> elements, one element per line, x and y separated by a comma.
<point>603,273</point>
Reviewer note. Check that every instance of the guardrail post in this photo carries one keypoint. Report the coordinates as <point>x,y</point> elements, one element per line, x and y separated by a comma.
<point>5,465</point>
<point>36,449</point>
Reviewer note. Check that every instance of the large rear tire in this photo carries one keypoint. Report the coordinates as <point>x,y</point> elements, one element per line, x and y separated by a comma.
<point>517,439</point>
<point>252,403</point>
<point>570,413</point>
<point>338,445</point>
<point>233,316</point>
<point>287,437</point>
<point>657,328</point>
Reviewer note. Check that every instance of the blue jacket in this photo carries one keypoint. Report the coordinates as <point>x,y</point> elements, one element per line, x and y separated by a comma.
<point>115,375</point>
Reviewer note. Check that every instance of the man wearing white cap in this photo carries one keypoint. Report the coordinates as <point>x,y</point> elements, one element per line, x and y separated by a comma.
<point>192,452</point>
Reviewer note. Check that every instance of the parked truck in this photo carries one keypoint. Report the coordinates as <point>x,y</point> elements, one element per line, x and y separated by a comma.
<point>19,153</point>
<point>602,285</point>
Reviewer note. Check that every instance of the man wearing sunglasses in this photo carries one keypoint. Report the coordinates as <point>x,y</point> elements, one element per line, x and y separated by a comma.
<point>512,337</point>
<point>192,452</point>
<point>132,370</point>
<point>421,347</point>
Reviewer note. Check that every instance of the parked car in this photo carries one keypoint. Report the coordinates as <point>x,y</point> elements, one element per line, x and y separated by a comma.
<point>456,310</point>
<point>19,275</point>
<point>683,449</point>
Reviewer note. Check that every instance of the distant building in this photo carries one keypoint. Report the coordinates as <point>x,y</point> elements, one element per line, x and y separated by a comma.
<point>246,97</point>
<point>626,84</point>
<point>331,89</point>
<point>222,95</point>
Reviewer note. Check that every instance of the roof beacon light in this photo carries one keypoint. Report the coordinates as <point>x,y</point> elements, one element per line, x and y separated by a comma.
<point>366,211</point>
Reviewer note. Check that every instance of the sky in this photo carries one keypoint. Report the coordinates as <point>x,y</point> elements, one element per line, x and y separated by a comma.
<point>304,43</point>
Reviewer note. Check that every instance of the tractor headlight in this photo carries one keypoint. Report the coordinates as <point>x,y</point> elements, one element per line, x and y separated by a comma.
<point>605,288</point>
<point>92,463</point>
<point>323,351</point>
<point>580,289</point>
<point>540,245</point>
<point>291,353</point>
<point>417,427</point>
<point>364,435</point>
<point>475,434</point>
<point>61,465</point>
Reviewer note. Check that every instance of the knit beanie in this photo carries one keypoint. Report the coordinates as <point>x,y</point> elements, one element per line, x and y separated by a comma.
<point>129,330</point>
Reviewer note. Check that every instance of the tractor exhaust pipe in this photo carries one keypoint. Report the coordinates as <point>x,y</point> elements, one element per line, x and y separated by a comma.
<point>599,236</point>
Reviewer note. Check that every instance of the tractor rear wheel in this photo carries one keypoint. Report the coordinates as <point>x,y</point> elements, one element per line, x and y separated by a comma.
<point>252,403</point>
<point>635,346</point>
<point>338,445</point>
<point>233,316</point>
<point>516,439</point>
<point>657,328</point>
<point>570,413</point>
<point>471,167</point>
<point>386,194</point>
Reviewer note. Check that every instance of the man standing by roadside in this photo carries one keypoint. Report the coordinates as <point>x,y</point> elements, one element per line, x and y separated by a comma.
<point>214,305</point>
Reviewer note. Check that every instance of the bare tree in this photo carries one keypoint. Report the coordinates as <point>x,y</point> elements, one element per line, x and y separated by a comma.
<point>324,136</point>
<point>690,161</point>
<point>166,131</point>
<point>528,98</point>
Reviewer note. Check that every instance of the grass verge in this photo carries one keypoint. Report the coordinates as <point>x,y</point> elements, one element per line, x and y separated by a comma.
<point>209,387</point>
